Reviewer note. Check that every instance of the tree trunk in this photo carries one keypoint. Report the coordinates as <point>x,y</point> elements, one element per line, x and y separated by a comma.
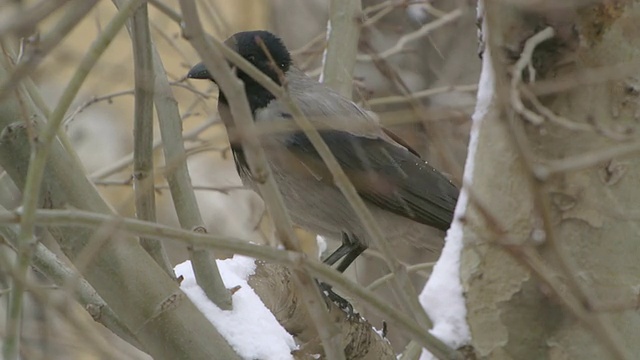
<point>550,264</point>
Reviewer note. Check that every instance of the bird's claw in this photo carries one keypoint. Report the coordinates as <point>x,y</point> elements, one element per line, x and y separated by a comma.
<point>341,302</point>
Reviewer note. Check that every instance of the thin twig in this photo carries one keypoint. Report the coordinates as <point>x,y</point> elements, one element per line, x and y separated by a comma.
<point>556,119</point>
<point>425,30</point>
<point>391,100</point>
<point>122,163</point>
<point>26,20</point>
<point>96,99</point>
<point>172,42</point>
<point>585,160</point>
<point>410,269</point>
<point>166,10</point>
<point>585,77</point>
<point>307,46</point>
<point>39,102</point>
<point>221,189</point>
<point>370,21</point>
<point>412,351</point>
<point>76,12</point>
<point>523,62</point>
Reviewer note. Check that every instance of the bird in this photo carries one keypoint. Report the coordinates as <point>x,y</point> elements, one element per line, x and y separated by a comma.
<point>404,193</point>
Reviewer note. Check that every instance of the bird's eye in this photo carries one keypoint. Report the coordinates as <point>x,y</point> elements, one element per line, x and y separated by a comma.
<point>251,58</point>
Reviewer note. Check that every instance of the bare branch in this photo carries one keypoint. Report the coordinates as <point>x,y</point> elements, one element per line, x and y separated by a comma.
<point>425,30</point>
<point>343,33</point>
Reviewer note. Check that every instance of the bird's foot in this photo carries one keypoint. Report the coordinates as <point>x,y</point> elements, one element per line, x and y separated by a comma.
<point>341,302</point>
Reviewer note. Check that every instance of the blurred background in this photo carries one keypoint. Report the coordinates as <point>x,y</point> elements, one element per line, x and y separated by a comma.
<point>440,70</point>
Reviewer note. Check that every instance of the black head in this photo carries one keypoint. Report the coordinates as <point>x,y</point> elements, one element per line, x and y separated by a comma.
<point>247,44</point>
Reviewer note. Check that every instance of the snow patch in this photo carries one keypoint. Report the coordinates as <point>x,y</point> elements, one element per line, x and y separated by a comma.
<point>250,328</point>
<point>442,296</point>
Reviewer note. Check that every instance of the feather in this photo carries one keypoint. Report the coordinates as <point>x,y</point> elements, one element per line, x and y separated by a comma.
<point>384,174</point>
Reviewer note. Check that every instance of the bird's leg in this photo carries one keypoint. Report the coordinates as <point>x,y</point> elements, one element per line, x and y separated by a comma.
<point>348,251</point>
<point>355,251</point>
<point>348,246</point>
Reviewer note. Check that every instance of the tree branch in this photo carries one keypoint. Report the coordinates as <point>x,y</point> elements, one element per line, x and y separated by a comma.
<point>143,174</point>
<point>343,33</point>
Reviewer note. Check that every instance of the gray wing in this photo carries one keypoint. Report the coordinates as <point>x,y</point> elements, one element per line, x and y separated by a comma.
<point>384,174</point>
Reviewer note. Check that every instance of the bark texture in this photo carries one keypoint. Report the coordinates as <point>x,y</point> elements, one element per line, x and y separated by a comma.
<point>550,265</point>
<point>274,286</point>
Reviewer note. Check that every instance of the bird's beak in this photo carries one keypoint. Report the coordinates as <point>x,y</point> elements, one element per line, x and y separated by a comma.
<point>199,71</point>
